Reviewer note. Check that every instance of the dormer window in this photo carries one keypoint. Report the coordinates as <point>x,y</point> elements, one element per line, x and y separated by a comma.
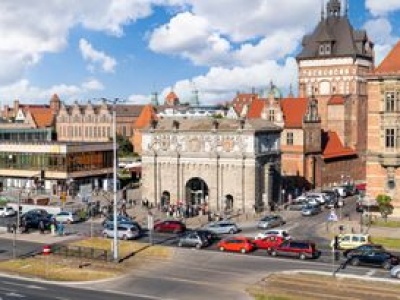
<point>325,49</point>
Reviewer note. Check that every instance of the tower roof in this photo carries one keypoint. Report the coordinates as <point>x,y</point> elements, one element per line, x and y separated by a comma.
<point>336,29</point>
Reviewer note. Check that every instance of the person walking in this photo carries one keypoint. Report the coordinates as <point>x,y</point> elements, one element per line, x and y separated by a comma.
<point>41,227</point>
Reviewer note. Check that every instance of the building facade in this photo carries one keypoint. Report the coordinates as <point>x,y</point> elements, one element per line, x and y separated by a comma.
<point>383,164</point>
<point>227,164</point>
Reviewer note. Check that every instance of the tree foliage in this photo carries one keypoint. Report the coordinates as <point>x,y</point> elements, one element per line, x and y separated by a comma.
<point>124,146</point>
<point>385,205</point>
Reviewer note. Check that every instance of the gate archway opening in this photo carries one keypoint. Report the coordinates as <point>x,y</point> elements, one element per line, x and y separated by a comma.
<point>228,202</point>
<point>196,191</point>
<point>165,198</point>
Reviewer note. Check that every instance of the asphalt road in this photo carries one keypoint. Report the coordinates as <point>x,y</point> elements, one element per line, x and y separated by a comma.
<point>11,288</point>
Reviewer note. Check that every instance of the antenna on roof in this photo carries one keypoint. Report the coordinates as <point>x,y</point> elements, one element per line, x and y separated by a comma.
<point>347,7</point>
<point>322,10</point>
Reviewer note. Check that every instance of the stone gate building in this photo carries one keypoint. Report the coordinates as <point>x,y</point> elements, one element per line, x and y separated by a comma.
<point>227,164</point>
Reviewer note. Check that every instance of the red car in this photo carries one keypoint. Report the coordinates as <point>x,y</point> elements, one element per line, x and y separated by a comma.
<point>269,242</point>
<point>299,249</point>
<point>170,226</point>
<point>236,244</point>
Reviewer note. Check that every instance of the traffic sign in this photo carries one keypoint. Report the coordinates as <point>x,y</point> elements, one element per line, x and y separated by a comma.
<point>332,217</point>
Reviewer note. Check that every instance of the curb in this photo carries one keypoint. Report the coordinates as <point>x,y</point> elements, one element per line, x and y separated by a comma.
<point>349,276</point>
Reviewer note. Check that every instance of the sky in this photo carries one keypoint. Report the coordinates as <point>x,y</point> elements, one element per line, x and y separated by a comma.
<point>128,49</point>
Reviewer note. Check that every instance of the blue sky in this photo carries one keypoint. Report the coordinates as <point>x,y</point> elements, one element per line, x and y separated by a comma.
<point>130,48</point>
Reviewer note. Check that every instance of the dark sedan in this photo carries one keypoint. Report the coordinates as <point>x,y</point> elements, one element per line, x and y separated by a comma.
<point>362,249</point>
<point>374,258</point>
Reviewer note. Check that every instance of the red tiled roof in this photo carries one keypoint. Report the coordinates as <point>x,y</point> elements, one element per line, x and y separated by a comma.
<point>336,100</point>
<point>391,63</point>
<point>241,100</point>
<point>145,117</point>
<point>294,110</point>
<point>43,117</point>
<point>255,109</point>
<point>333,147</point>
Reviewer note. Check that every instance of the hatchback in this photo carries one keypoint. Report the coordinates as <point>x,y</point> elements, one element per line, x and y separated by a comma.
<point>310,210</point>
<point>269,242</point>
<point>124,231</point>
<point>270,222</point>
<point>67,217</point>
<point>300,249</point>
<point>395,272</point>
<point>173,226</point>
<point>222,227</point>
<point>236,244</point>
<point>193,239</point>
<point>274,232</point>
<point>7,211</point>
<point>361,249</point>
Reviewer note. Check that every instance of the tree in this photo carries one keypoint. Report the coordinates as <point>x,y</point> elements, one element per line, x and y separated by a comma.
<point>124,145</point>
<point>385,205</point>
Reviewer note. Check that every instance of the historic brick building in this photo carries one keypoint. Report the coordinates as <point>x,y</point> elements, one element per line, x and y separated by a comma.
<point>228,164</point>
<point>383,163</point>
<point>324,130</point>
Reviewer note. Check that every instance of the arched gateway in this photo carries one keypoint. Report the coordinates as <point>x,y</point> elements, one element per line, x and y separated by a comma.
<point>196,191</point>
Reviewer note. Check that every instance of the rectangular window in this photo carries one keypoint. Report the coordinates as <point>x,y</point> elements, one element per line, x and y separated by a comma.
<point>289,139</point>
<point>271,116</point>
<point>390,138</point>
<point>390,102</point>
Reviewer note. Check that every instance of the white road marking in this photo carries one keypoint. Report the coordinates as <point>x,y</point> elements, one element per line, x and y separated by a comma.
<point>29,286</point>
<point>15,295</point>
<point>371,273</point>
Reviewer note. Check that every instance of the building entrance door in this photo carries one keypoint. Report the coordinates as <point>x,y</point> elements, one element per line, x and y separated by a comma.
<point>196,191</point>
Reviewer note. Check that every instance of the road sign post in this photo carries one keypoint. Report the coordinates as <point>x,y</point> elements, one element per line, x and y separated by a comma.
<point>150,226</point>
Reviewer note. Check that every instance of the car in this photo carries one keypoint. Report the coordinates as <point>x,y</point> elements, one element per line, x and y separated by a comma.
<point>124,231</point>
<point>193,239</point>
<point>352,240</point>
<point>376,258</point>
<point>222,227</point>
<point>311,201</point>
<point>270,221</point>
<point>319,197</point>
<point>7,211</point>
<point>340,190</point>
<point>274,232</point>
<point>170,226</point>
<point>360,249</point>
<point>295,248</point>
<point>395,272</point>
<point>297,204</point>
<point>210,236</point>
<point>269,242</point>
<point>311,209</point>
<point>67,217</point>
<point>32,219</point>
<point>120,219</point>
<point>236,244</point>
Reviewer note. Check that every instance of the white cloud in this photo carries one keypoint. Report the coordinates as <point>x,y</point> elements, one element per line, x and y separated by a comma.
<point>24,91</point>
<point>382,7</point>
<point>381,32</point>
<point>220,84</point>
<point>138,99</point>
<point>94,56</point>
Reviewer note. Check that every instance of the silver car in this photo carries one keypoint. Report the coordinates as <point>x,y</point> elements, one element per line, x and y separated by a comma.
<point>395,272</point>
<point>124,231</point>
<point>222,227</point>
<point>270,222</point>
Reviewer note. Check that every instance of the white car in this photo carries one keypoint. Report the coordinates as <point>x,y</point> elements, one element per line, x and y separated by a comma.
<point>278,232</point>
<point>395,272</point>
<point>320,197</point>
<point>67,217</point>
<point>6,211</point>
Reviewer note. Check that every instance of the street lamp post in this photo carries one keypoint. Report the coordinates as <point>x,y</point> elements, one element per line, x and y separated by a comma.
<point>115,240</point>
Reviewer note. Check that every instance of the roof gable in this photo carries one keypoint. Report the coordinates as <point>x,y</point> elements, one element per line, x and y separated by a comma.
<point>391,63</point>
<point>332,146</point>
<point>43,117</point>
<point>146,116</point>
<point>294,110</point>
<point>255,109</point>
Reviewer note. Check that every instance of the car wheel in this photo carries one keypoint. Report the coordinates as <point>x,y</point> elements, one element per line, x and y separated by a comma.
<point>231,231</point>
<point>273,253</point>
<point>302,256</point>
<point>398,275</point>
<point>387,265</point>
<point>198,246</point>
<point>180,244</point>
<point>125,237</point>
<point>105,235</point>
<point>243,251</point>
<point>355,262</point>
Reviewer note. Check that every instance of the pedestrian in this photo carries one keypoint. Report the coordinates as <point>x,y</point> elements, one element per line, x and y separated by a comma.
<point>53,227</point>
<point>41,226</point>
<point>60,229</point>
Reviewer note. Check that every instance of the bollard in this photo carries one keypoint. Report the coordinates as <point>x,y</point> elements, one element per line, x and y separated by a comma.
<point>46,250</point>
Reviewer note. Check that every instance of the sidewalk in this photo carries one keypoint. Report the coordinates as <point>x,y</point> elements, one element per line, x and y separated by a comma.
<point>37,237</point>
